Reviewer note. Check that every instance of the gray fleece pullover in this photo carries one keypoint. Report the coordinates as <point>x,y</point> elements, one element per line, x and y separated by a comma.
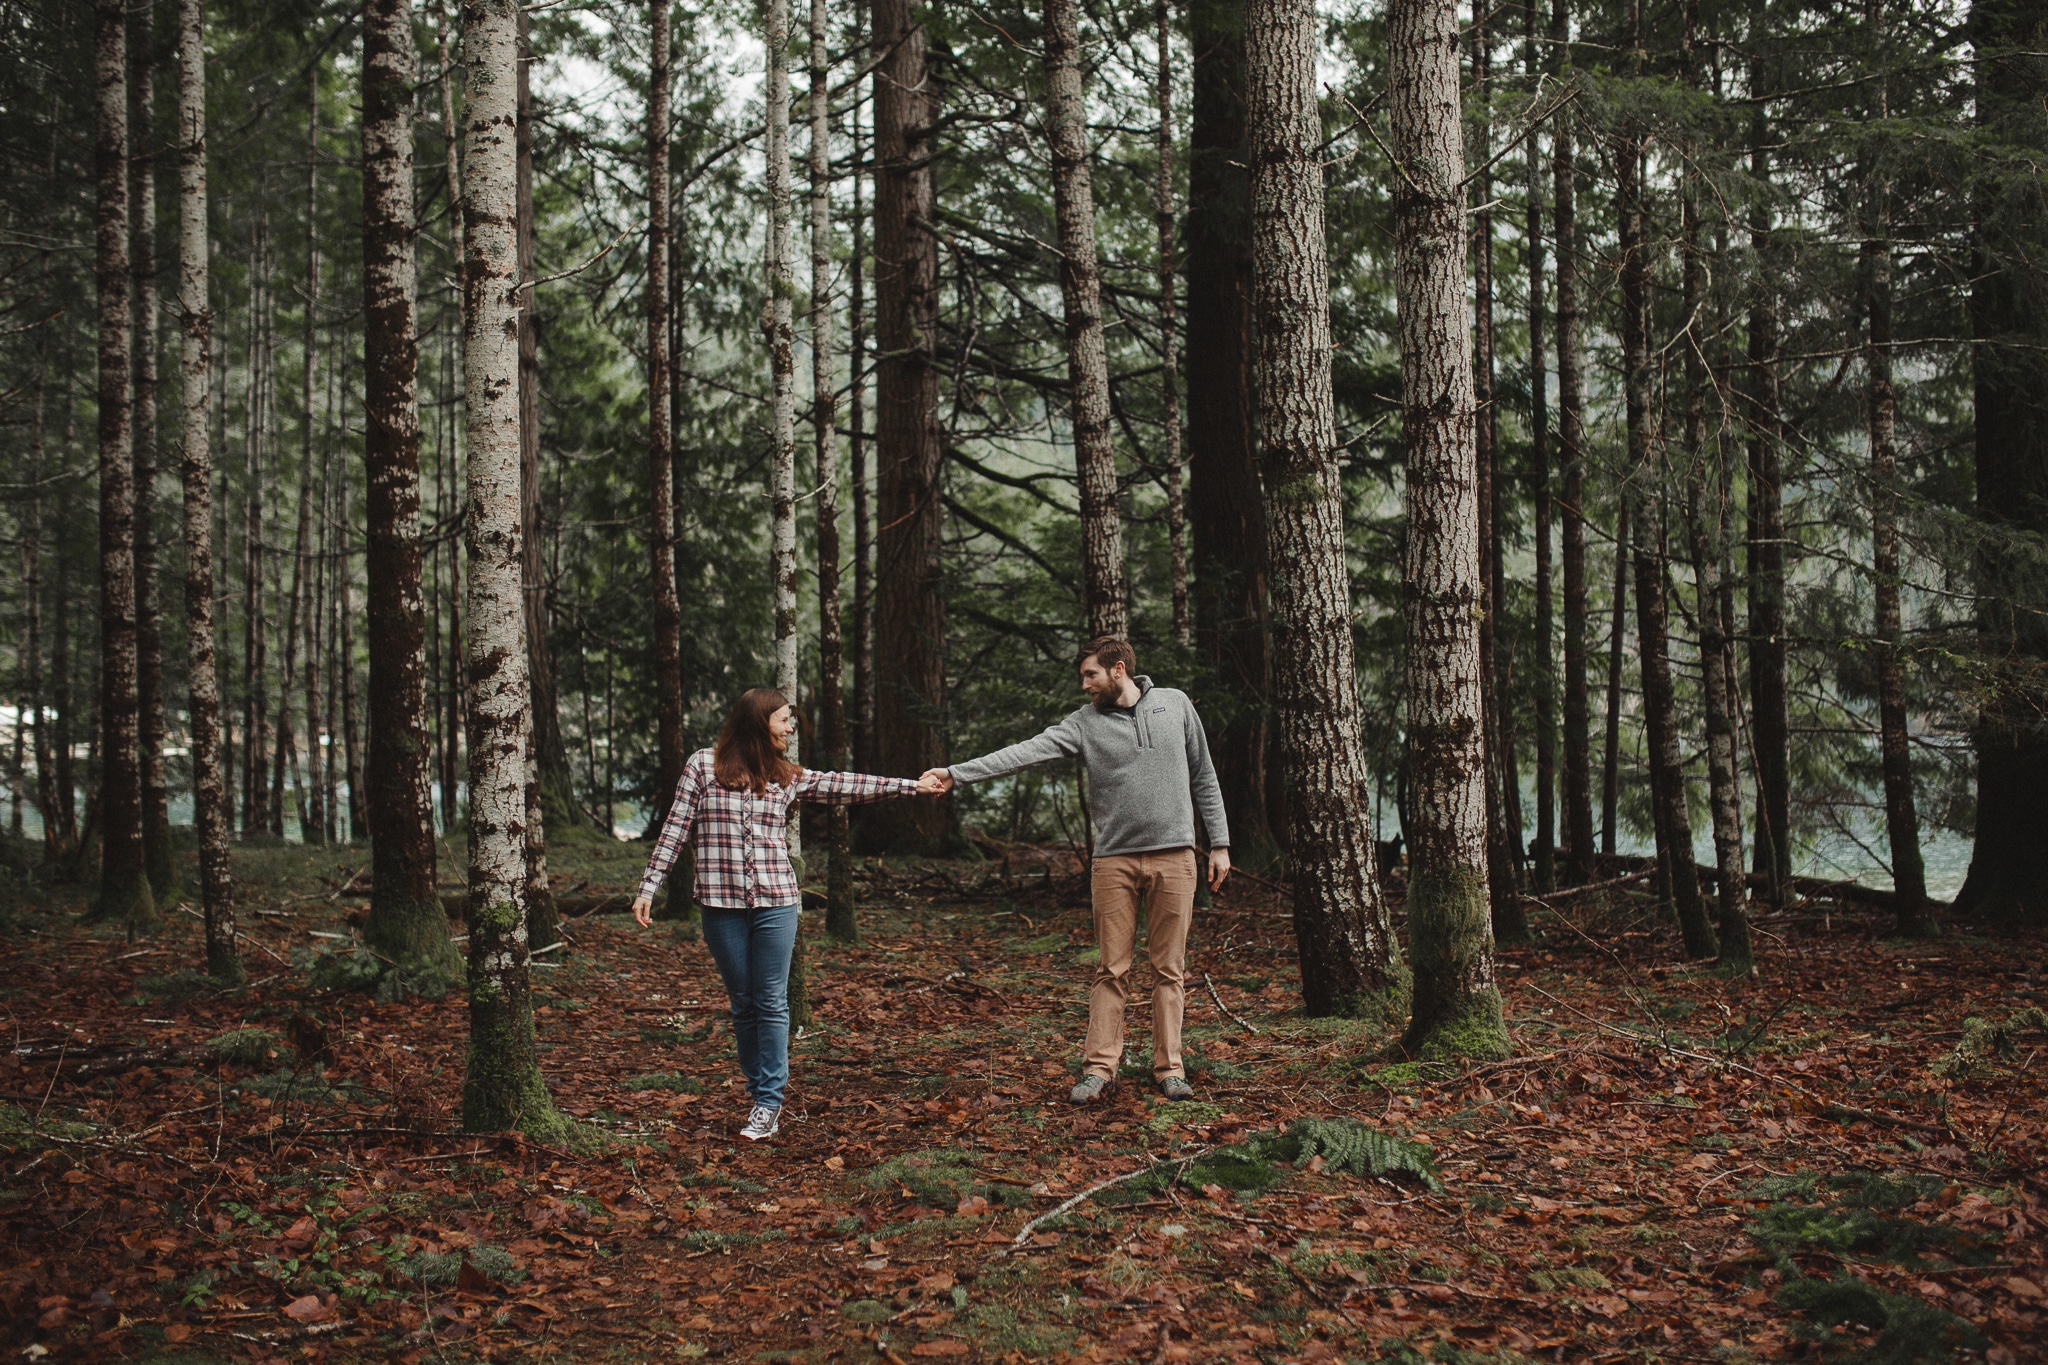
<point>1148,771</point>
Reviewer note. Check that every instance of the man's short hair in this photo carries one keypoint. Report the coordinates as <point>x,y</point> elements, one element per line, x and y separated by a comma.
<point>1108,651</point>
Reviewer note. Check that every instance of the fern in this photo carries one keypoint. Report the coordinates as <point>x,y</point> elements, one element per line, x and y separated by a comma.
<point>1349,1147</point>
<point>1909,1331</point>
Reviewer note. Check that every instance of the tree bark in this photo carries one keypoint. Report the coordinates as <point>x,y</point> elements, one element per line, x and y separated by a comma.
<point>840,922</point>
<point>863,720</point>
<point>1503,807</point>
<point>557,787</point>
<point>32,594</point>
<point>124,892</point>
<point>1226,505</point>
<point>1679,872</point>
<point>551,791</point>
<point>1169,352</point>
<point>1106,593</point>
<point>502,1086</point>
<point>1571,447</point>
<point>255,710</point>
<point>1902,818</point>
<point>405,921</point>
<point>1350,959</point>
<point>1457,1004</point>
<point>1617,638</point>
<point>149,646</point>
<point>351,735</point>
<point>1768,720</point>
<point>1544,677</point>
<point>2009,326</point>
<point>668,617</point>
<point>1704,475</point>
<point>910,612</point>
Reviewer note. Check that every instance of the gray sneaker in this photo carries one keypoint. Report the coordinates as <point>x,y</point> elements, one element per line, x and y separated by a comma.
<point>1176,1088</point>
<point>1091,1089</point>
<point>762,1123</point>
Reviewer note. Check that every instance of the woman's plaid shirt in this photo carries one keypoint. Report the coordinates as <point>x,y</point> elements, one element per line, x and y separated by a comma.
<point>742,839</point>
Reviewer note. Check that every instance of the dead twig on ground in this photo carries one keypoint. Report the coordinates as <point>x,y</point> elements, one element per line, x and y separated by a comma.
<point>1225,1008</point>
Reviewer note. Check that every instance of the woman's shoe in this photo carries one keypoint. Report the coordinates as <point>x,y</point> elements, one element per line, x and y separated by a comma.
<point>763,1122</point>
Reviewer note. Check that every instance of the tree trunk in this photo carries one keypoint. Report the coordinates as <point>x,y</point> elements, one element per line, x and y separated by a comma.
<point>1503,833</point>
<point>1571,448</point>
<point>502,1086</point>
<point>910,613</point>
<point>345,609</point>
<point>1768,725</point>
<point>405,922</point>
<point>557,793</point>
<point>2009,326</point>
<point>1169,353</point>
<point>149,643</point>
<point>32,594</point>
<point>551,791</point>
<point>254,711</point>
<point>1106,593</point>
<point>1226,505</point>
<point>863,722</point>
<point>1678,872</point>
<point>124,892</point>
<point>1617,636</point>
<point>1724,771</point>
<point>1902,819</point>
<point>1350,959</point>
<point>60,686</point>
<point>1545,673</point>
<point>1457,1004</point>
<point>668,617</point>
<point>840,922</point>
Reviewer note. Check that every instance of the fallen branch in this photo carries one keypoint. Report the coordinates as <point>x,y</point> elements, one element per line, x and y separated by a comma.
<point>1024,1233</point>
<point>1223,1007</point>
<point>1842,1113</point>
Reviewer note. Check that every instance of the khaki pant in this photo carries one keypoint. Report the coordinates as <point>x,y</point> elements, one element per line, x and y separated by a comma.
<point>1165,883</point>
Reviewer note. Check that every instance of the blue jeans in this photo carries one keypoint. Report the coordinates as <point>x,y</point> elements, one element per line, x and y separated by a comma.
<point>752,949</point>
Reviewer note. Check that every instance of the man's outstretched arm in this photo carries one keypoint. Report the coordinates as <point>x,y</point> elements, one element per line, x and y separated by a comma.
<point>1208,794</point>
<point>1053,743</point>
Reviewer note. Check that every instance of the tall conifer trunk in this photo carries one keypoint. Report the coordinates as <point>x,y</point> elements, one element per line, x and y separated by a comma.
<point>124,892</point>
<point>1677,871</point>
<point>502,1086</point>
<point>910,614</point>
<point>839,913</point>
<point>1350,958</point>
<point>1169,351</point>
<point>1226,504</point>
<point>661,511</point>
<point>1617,640</point>
<point>1105,592</point>
<point>149,643</point>
<point>406,922</point>
<point>1576,739</point>
<point>863,721</point>
<point>1503,804</point>
<point>2009,325</point>
<point>1768,719</point>
<point>1544,671</point>
<point>1457,1003</point>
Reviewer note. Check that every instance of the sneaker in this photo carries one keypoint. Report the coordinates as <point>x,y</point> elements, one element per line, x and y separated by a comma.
<point>1176,1088</point>
<point>1091,1089</point>
<point>763,1122</point>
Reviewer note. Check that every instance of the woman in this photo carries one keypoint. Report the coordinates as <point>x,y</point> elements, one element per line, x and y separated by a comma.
<point>733,803</point>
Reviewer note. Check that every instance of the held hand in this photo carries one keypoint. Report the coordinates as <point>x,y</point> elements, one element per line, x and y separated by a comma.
<point>643,910</point>
<point>1219,867</point>
<point>935,782</point>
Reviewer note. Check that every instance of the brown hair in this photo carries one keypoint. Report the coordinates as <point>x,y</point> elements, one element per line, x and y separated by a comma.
<point>746,756</point>
<point>1108,651</point>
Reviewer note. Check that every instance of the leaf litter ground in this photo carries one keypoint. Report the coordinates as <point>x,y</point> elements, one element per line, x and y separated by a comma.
<point>1674,1166</point>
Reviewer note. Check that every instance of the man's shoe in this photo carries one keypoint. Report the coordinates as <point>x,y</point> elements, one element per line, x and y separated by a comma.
<point>1176,1088</point>
<point>1091,1089</point>
<point>762,1123</point>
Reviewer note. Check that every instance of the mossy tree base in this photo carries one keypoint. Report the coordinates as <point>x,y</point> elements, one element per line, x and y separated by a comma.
<point>1450,935</point>
<point>1473,1030</point>
<point>410,938</point>
<point>126,900</point>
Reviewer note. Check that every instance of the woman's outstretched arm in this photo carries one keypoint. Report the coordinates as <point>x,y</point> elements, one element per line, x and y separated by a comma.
<point>847,789</point>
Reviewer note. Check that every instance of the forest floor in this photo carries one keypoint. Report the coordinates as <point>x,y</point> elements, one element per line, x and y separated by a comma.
<point>1674,1166</point>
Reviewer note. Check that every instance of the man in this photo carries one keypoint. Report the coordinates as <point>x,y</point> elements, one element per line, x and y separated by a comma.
<point>1148,775</point>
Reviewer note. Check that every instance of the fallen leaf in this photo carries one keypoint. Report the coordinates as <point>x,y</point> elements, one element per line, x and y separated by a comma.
<point>944,1346</point>
<point>973,1206</point>
<point>308,1309</point>
<point>835,1163</point>
<point>175,1332</point>
<point>2025,1289</point>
